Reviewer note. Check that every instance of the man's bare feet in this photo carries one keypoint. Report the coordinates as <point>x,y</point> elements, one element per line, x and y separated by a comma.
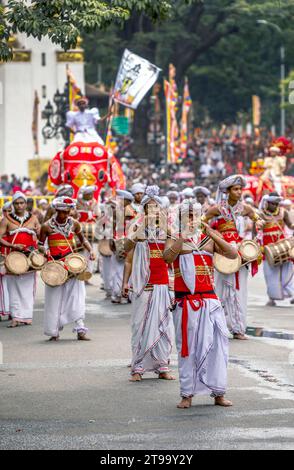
<point>136,378</point>
<point>271,303</point>
<point>166,376</point>
<point>83,337</point>
<point>240,337</point>
<point>14,324</point>
<point>185,403</point>
<point>54,338</point>
<point>221,401</point>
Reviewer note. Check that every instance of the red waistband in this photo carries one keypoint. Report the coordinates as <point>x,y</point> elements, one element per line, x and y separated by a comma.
<point>196,301</point>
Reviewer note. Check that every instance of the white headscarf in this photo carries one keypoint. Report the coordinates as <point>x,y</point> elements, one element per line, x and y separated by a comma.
<point>122,194</point>
<point>227,183</point>
<point>19,195</point>
<point>138,188</point>
<point>201,190</point>
<point>152,193</point>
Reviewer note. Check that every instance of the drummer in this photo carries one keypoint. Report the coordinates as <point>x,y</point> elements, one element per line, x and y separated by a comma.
<point>18,232</point>
<point>63,190</point>
<point>4,297</point>
<point>279,279</point>
<point>64,304</point>
<point>229,214</point>
<point>202,197</point>
<point>87,212</point>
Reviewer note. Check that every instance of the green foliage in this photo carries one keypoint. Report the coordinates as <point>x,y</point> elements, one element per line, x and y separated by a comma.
<point>64,20</point>
<point>218,44</point>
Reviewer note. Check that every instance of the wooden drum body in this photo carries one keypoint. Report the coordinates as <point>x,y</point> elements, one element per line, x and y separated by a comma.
<point>225,265</point>
<point>249,251</point>
<point>37,260</point>
<point>17,263</point>
<point>104,248</point>
<point>54,274</point>
<point>75,263</point>
<point>280,252</point>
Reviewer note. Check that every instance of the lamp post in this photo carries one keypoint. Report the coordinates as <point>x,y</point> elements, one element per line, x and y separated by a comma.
<point>282,72</point>
<point>55,125</point>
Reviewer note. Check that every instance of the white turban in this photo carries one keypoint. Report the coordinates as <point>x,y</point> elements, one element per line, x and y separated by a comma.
<point>6,206</point>
<point>227,183</point>
<point>138,188</point>
<point>19,195</point>
<point>63,203</point>
<point>122,194</point>
<point>187,192</point>
<point>86,190</point>
<point>152,193</point>
<point>201,190</point>
<point>233,180</point>
<point>187,206</point>
<point>64,190</point>
<point>172,193</point>
<point>275,198</point>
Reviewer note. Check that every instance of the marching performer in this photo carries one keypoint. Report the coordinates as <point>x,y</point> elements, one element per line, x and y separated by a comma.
<point>4,296</point>
<point>64,304</point>
<point>151,299</point>
<point>137,191</point>
<point>18,232</point>
<point>279,279</point>
<point>63,190</point>
<point>230,213</point>
<point>87,213</point>
<point>200,324</point>
<point>122,216</point>
<point>104,233</point>
<point>202,194</point>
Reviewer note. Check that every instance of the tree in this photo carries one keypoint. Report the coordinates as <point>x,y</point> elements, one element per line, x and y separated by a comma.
<point>64,20</point>
<point>217,44</point>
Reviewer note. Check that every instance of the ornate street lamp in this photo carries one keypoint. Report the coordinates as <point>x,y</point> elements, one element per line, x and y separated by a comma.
<point>56,119</point>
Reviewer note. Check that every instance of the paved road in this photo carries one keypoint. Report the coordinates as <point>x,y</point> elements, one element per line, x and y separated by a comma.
<point>75,395</point>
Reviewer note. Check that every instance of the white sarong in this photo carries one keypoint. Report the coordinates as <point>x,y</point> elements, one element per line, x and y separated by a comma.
<point>117,272</point>
<point>21,290</point>
<point>152,330</point>
<point>204,370</point>
<point>4,296</point>
<point>234,300</point>
<point>65,304</point>
<point>279,280</point>
<point>106,273</point>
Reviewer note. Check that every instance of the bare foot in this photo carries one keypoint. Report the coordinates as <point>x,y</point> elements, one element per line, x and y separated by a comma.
<point>240,337</point>
<point>185,403</point>
<point>166,376</point>
<point>14,324</point>
<point>54,338</point>
<point>136,378</point>
<point>271,303</point>
<point>83,337</point>
<point>221,401</point>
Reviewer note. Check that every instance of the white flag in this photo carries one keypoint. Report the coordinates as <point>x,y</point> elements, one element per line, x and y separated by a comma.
<point>134,79</point>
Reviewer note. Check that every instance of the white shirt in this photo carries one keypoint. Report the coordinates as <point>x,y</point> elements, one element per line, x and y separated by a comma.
<point>82,121</point>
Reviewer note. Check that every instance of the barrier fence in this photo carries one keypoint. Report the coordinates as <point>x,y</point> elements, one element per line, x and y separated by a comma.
<point>4,199</point>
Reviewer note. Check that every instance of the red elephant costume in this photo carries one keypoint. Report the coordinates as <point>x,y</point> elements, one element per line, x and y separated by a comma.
<point>86,164</point>
<point>80,164</point>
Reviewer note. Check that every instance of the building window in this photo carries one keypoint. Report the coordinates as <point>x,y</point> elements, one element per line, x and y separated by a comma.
<point>43,59</point>
<point>44,91</point>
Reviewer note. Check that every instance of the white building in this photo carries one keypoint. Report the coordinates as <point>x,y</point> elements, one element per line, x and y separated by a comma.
<point>36,66</point>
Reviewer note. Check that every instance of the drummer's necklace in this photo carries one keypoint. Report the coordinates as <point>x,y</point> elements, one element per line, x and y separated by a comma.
<point>22,219</point>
